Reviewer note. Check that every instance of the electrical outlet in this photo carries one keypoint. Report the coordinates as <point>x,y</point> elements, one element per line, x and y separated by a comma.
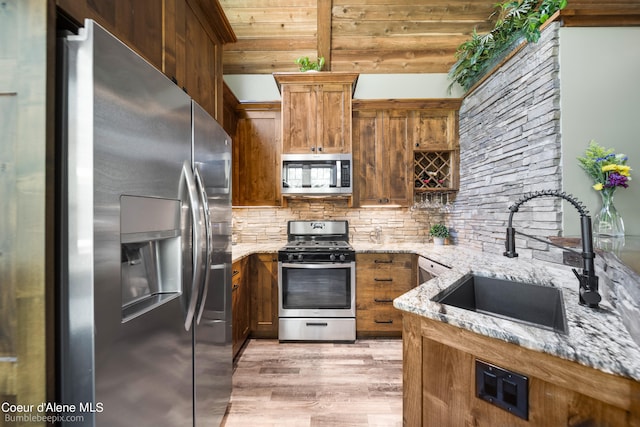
<point>503,388</point>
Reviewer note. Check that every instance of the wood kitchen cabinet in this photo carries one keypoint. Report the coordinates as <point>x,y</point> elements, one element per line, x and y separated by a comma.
<point>436,147</point>
<point>440,374</point>
<point>263,284</point>
<point>380,278</point>
<point>382,157</point>
<point>435,129</point>
<point>316,112</point>
<point>182,38</point>
<point>256,155</point>
<point>239,304</point>
<point>137,23</point>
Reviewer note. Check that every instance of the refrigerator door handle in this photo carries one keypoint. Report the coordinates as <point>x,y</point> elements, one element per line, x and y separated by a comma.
<point>196,280</point>
<point>208,244</point>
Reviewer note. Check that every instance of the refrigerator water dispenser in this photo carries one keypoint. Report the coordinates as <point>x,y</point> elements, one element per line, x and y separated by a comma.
<point>150,253</point>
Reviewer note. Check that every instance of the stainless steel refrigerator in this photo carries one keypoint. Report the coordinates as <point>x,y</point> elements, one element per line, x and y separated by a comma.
<point>145,250</point>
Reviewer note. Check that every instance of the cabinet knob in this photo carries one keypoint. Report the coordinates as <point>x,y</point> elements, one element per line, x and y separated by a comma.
<point>313,148</point>
<point>417,144</point>
<point>319,148</point>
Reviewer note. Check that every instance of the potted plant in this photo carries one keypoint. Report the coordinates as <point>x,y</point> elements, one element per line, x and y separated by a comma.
<point>439,233</point>
<point>305,64</point>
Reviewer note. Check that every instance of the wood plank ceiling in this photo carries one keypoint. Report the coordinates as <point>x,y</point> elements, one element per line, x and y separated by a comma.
<point>376,36</point>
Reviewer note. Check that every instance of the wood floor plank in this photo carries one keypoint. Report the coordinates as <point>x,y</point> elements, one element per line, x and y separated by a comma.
<point>317,385</point>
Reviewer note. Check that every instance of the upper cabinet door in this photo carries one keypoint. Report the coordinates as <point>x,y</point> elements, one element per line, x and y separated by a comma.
<point>435,129</point>
<point>256,157</point>
<point>334,130</point>
<point>316,112</point>
<point>382,156</point>
<point>300,119</point>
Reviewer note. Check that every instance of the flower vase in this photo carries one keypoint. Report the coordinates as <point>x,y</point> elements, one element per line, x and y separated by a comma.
<point>608,221</point>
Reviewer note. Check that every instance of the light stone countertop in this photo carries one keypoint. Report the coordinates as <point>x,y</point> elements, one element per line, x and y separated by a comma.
<point>596,338</point>
<point>242,250</point>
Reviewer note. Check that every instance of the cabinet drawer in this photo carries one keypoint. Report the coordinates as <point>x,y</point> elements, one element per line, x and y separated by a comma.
<point>395,279</point>
<point>385,320</point>
<point>384,261</point>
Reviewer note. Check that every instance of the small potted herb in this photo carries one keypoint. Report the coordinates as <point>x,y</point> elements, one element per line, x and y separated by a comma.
<point>439,232</point>
<point>307,65</point>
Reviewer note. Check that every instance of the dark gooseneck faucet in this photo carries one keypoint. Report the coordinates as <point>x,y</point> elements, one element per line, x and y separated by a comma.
<point>588,280</point>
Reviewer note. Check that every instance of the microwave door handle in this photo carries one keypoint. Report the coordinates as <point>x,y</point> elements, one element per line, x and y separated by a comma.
<point>194,207</point>
<point>204,204</point>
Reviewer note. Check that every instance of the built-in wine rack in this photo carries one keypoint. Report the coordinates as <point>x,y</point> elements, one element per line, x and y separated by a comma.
<point>434,170</point>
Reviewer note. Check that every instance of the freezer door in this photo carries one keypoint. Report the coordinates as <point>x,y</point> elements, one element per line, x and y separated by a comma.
<point>213,353</point>
<point>126,356</point>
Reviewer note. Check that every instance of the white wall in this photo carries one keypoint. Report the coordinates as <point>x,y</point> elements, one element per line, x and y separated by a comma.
<point>600,100</point>
<point>262,87</point>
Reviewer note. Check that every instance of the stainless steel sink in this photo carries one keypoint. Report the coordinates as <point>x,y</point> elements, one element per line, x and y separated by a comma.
<point>535,305</point>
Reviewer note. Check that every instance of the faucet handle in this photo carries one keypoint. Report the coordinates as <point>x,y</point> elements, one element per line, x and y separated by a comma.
<point>589,295</point>
<point>510,243</point>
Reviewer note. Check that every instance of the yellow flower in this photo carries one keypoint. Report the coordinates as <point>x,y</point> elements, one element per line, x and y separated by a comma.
<point>597,187</point>
<point>621,169</point>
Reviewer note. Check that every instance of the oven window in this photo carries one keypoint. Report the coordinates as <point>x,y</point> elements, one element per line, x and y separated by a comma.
<point>316,288</point>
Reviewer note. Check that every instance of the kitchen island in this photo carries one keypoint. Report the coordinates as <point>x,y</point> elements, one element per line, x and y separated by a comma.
<point>591,374</point>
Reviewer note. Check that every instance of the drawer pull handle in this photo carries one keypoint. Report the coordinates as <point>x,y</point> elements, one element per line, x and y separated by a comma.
<point>382,300</point>
<point>235,272</point>
<point>383,261</point>
<point>387,322</point>
<point>317,324</point>
<point>383,280</point>
<point>235,287</point>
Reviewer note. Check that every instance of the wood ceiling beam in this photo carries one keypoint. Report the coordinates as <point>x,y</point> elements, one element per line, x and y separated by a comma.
<point>324,31</point>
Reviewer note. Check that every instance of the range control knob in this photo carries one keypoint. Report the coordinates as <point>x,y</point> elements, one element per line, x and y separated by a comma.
<point>342,257</point>
<point>332,257</point>
<point>290,257</point>
<point>299,257</point>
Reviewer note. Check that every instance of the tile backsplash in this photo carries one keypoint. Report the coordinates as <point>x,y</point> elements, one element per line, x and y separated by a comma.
<point>267,224</point>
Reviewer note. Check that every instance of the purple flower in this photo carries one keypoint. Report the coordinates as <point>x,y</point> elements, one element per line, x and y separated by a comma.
<point>616,180</point>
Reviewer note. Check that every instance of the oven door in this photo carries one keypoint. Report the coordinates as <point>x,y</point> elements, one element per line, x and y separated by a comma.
<point>316,289</point>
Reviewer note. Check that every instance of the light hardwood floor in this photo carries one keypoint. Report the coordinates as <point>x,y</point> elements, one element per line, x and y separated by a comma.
<point>317,384</point>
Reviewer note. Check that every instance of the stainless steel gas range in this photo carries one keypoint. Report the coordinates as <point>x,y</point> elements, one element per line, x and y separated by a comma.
<point>317,283</point>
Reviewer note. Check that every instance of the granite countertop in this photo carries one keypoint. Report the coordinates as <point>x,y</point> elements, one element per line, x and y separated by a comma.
<point>596,338</point>
<point>242,250</point>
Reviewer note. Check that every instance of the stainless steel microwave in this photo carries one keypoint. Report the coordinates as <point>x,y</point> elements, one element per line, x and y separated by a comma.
<point>316,174</point>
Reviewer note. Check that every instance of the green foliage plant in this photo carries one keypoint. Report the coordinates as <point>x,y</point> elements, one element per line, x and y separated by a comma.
<point>439,230</point>
<point>307,65</point>
<point>516,20</point>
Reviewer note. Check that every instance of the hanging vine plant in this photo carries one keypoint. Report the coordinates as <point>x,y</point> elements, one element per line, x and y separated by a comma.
<point>517,20</point>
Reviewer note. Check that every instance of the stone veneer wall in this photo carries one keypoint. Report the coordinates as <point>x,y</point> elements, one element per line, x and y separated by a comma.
<point>509,146</point>
<point>264,225</point>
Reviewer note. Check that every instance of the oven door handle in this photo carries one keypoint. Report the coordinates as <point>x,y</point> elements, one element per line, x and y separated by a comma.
<point>316,266</point>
